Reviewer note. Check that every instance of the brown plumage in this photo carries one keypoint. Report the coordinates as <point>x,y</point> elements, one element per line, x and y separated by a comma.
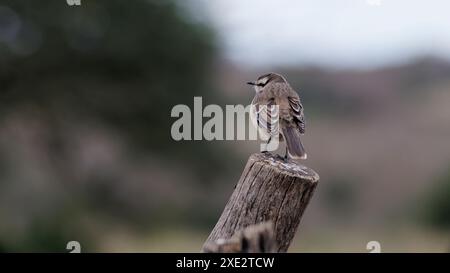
<point>273,89</point>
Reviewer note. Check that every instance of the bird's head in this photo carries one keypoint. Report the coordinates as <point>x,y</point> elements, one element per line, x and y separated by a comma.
<point>266,79</point>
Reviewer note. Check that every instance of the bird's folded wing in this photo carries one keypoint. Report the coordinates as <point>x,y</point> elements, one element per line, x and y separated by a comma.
<point>297,113</point>
<point>267,116</point>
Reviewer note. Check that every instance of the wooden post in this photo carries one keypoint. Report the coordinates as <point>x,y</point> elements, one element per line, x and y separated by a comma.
<point>269,189</point>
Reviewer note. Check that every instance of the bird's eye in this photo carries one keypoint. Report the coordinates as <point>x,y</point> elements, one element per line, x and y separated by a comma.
<point>260,84</point>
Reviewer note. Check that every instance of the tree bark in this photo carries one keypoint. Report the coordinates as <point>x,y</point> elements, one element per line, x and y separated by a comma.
<point>271,190</point>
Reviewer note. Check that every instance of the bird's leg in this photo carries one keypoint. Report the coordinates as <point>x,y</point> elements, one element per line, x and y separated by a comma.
<point>268,141</point>
<point>286,158</point>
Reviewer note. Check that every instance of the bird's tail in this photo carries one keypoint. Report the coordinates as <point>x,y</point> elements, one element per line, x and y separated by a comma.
<point>294,145</point>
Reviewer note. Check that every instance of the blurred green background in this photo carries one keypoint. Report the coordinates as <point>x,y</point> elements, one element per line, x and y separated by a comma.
<point>86,153</point>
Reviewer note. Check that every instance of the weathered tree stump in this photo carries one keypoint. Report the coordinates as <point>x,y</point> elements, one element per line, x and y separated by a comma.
<point>269,189</point>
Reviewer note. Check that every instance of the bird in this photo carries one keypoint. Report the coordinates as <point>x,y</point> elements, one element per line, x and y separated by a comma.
<point>288,124</point>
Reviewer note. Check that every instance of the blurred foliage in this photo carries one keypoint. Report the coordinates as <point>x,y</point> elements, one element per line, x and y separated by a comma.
<point>126,64</point>
<point>340,197</point>
<point>50,233</point>
<point>437,206</point>
<point>117,64</point>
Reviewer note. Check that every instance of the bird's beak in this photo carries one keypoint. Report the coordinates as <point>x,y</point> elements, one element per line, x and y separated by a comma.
<point>251,83</point>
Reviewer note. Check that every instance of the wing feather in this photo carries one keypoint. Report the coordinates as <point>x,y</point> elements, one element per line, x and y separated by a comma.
<point>297,113</point>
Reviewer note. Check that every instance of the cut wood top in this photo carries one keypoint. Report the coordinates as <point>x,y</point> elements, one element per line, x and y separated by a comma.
<point>289,167</point>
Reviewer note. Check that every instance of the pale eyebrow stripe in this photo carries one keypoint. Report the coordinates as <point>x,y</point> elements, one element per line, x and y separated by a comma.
<point>264,76</point>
